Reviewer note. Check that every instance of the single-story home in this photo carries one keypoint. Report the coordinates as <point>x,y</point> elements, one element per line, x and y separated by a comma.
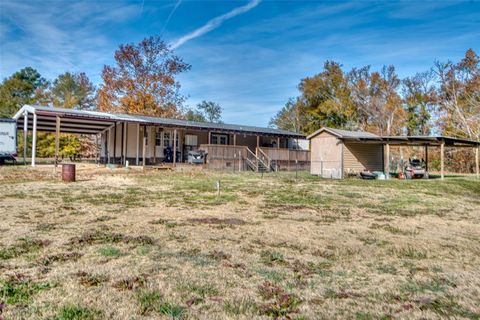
<point>144,140</point>
<point>336,153</point>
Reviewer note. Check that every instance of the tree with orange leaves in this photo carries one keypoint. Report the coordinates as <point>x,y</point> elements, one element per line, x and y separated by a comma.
<point>143,80</point>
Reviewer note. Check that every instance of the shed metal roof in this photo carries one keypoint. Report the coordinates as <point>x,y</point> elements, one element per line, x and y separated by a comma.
<point>345,134</point>
<point>367,137</point>
<point>85,121</point>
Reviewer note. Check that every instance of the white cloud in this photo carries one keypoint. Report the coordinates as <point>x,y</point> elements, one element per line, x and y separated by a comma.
<point>214,23</point>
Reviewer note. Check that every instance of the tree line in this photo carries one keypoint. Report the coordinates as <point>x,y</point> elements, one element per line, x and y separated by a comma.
<point>444,100</point>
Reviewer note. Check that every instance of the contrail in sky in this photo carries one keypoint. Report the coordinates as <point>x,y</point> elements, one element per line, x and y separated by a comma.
<point>170,16</point>
<point>214,23</point>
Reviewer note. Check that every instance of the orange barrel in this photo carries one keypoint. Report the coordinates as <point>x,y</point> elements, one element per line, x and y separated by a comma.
<point>68,172</point>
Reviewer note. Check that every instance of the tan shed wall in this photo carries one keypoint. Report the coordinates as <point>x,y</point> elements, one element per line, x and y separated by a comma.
<point>326,154</point>
<point>361,156</point>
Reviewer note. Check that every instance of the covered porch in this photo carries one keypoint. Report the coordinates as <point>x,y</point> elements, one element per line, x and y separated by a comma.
<point>141,140</point>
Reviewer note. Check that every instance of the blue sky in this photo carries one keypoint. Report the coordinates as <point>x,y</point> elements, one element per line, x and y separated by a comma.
<point>249,56</point>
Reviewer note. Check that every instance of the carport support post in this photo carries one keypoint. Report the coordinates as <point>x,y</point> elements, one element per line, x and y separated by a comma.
<point>138,143</point>
<point>57,140</point>
<point>426,158</point>
<point>34,139</point>
<point>154,144</point>
<point>25,134</point>
<point>107,144</point>
<point>174,147</point>
<point>124,143</point>
<point>442,159</point>
<point>387,161</point>
<point>115,143</point>
<point>477,160</point>
<point>144,146</point>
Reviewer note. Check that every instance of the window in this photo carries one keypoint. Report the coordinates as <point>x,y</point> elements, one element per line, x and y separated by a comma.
<point>219,138</point>
<point>168,139</point>
<point>158,139</point>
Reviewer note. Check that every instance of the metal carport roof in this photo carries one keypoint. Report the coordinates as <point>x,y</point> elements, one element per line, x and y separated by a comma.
<point>92,122</point>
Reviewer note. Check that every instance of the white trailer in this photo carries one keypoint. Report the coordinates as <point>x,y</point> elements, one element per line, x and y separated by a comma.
<point>8,139</point>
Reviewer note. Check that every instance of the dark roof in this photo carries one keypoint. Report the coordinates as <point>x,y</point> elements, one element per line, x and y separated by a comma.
<point>367,137</point>
<point>110,118</point>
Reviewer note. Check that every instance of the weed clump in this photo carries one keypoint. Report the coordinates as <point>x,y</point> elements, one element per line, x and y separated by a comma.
<point>279,303</point>
<point>60,257</point>
<point>23,246</point>
<point>76,312</point>
<point>271,257</point>
<point>152,301</point>
<point>87,279</point>
<point>19,289</point>
<point>131,283</point>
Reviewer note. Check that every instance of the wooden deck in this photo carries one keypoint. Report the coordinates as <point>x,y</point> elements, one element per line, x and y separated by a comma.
<point>237,157</point>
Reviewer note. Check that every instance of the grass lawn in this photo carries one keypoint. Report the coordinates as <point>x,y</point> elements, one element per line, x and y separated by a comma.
<point>133,245</point>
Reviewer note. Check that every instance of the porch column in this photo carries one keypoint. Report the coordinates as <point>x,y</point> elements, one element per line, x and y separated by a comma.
<point>57,140</point>
<point>154,144</point>
<point>174,147</point>
<point>180,144</point>
<point>258,141</point>
<point>144,148</point>
<point>34,139</point>
<point>278,142</point>
<point>234,139</point>
<point>477,160</point>
<point>97,152</point>
<point>25,134</point>
<point>107,136</point>
<point>426,158</point>
<point>114,142</point>
<point>442,159</point>
<point>138,144</point>
<point>387,161</point>
<point>209,137</point>
<point>125,138</point>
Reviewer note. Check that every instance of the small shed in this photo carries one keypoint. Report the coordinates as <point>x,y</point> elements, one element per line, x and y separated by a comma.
<point>335,151</point>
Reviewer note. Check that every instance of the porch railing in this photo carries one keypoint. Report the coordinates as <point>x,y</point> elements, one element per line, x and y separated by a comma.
<point>279,154</point>
<point>264,159</point>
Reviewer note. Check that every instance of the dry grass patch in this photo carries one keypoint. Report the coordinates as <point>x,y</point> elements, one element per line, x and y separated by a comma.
<point>164,245</point>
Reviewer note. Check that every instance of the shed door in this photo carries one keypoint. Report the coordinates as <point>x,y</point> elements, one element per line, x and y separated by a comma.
<point>326,156</point>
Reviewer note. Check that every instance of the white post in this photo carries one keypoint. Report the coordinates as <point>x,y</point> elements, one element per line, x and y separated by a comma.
<point>125,140</point>
<point>387,161</point>
<point>34,140</point>
<point>477,160</point>
<point>174,147</point>
<point>57,140</point>
<point>25,134</point>
<point>108,137</point>
<point>442,160</point>
<point>138,143</point>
